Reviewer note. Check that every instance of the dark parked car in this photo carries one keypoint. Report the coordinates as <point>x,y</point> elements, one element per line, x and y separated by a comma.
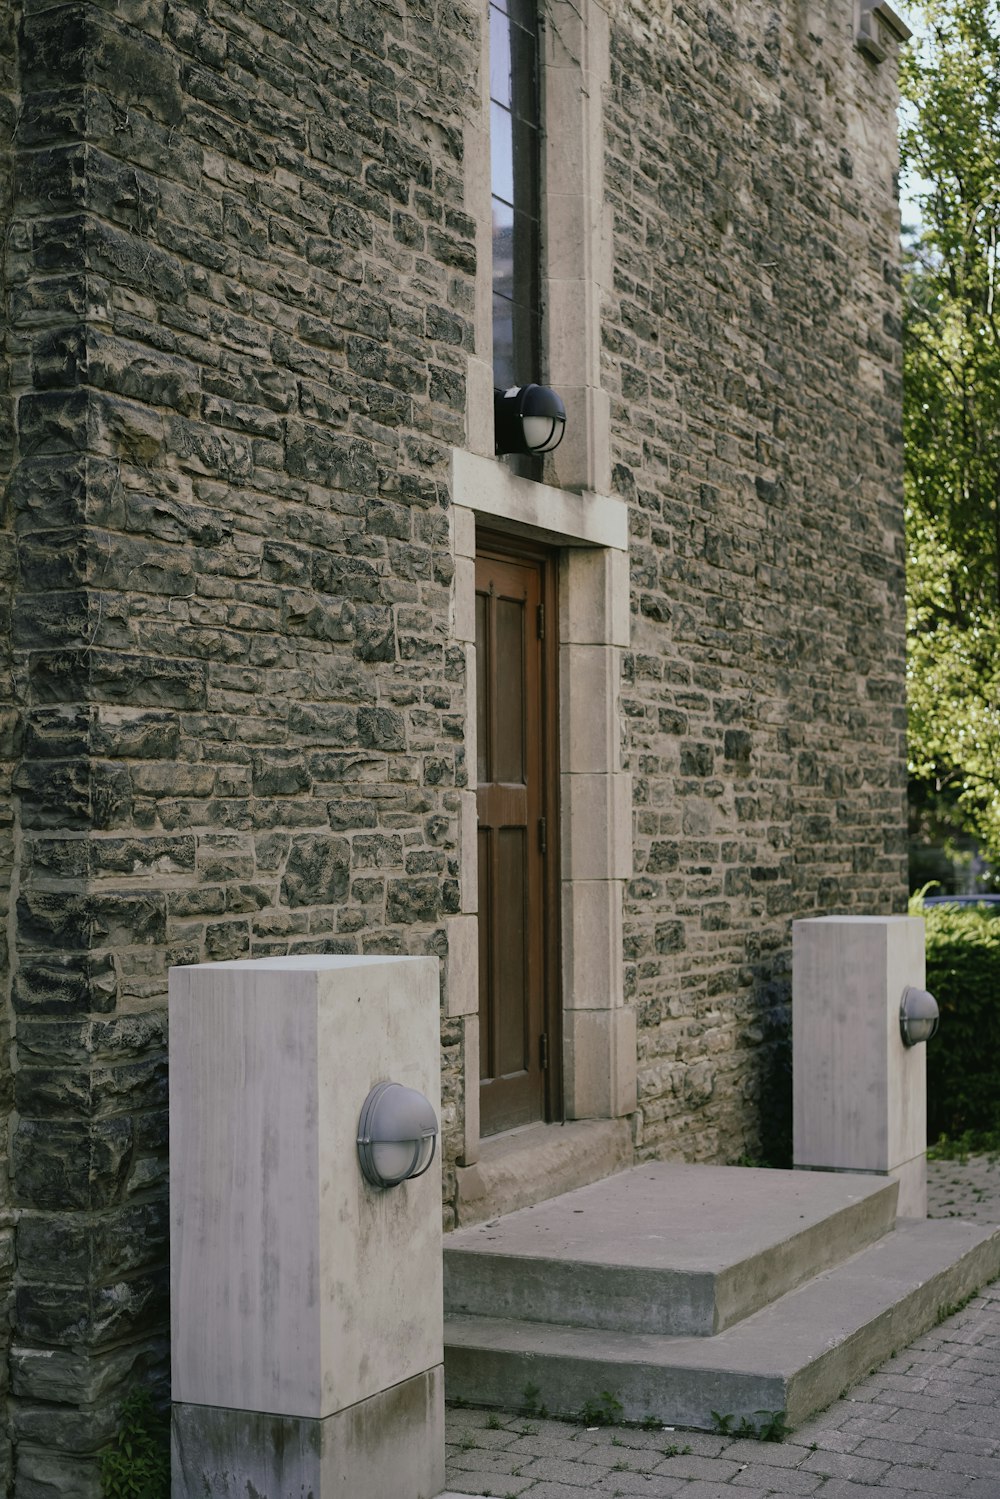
<point>989,902</point>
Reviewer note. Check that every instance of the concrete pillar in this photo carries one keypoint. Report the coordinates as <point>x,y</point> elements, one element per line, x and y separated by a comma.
<point>306,1305</point>
<point>860,1094</point>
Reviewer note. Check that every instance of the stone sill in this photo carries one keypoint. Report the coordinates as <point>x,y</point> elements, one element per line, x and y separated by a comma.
<point>532,1164</point>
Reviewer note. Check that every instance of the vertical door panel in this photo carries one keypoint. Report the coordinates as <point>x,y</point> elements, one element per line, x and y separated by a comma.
<point>508,758</point>
<point>514,923</point>
<point>513,979</point>
<point>485,950</point>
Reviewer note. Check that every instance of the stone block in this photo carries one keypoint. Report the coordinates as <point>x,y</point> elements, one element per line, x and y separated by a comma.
<point>390,1446</point>
<point>65,1375</point>
<point>469,896</point>
<point>599,1058</point>
<point>43,1474</point>
<point>589,677</point>
<point>597,827</point>
<point>463,965</point>
<point>67,1165</point>
<point>594,598</point>
<point>576,345</point>
<point>860,1099</point>
<point>60,1249</point>
<point>297,1288</point>
<point>479,404</point>
<point>471,724</point>
<point>470,1081</point>
<point>491,489</point>
<point>412,900</point>
<point>592,944</point>
<point>530,1165</point>
<point>464,600</point>
<point>464,533</point>
<point>317,871</point>
<point>65,984</point>
<point>83,1316</point>
<point>583,458</point>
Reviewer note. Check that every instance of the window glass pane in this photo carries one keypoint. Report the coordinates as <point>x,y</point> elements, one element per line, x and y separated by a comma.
<point>522,53</point>
<point>525,155</point>
<point>502,152</point>
<point>500,57</point>
<point>503,343</point>
<point>514,124</point>
<point>524,338</point>
<point>525,268</point>
<point>503,248</point>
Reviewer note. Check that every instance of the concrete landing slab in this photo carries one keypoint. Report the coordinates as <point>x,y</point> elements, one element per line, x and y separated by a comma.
<point>794,1356</point>
<point>665,1248</point>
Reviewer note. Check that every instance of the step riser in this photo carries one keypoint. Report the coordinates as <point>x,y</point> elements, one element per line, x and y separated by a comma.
<point>481,1371</point>
<point>648,1300</point>
<point>823,1381</point>
<point>608,1298</point>
<point>757,1282</point>
<point>675,1397</point>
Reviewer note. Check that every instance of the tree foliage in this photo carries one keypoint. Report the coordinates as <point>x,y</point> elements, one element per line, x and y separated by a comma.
<point>950,146</point>
<point>963,1059</point>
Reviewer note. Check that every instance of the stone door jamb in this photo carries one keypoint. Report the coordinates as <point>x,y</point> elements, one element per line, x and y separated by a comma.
<point>599,1037</point>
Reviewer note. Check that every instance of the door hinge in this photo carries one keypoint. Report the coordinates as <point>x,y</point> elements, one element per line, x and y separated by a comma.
<point>543,841</point>
<point>543,1051</point>
<point>541,621</point>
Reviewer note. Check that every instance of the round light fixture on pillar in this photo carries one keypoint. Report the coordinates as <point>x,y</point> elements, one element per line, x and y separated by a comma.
<point>397,1134</point>
<point>528,419</point>
<point>918,1016</point>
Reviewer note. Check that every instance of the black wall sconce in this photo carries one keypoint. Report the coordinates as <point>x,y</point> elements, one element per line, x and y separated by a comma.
<point>528,419</point>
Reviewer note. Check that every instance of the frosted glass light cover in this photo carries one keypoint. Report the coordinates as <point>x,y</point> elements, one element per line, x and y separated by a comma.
<point>394,1160</point>
<point>539,432</point>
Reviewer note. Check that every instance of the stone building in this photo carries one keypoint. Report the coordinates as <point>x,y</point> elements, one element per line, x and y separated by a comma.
<point>282,640</point>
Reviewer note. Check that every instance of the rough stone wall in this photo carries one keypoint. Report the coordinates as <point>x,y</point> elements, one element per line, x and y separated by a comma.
<point>241,292</point>
<point>752,348</point>
<point>9,717</point>
<point>241,289</point>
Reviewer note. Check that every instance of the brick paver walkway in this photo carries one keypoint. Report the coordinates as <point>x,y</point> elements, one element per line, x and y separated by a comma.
<point>926,1423</point>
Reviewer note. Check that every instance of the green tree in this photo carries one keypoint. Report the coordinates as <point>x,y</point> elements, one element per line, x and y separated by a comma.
<point>950,147</point>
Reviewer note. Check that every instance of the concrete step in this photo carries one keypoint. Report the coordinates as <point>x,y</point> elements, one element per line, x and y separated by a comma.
<point>665,1248</point>
<point>794,1356</point>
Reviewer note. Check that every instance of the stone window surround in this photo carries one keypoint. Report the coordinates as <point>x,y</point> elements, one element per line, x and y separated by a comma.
<point>590,527</point>
<point>576,242</point>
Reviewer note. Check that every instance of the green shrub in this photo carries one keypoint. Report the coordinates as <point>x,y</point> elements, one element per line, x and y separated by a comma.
<point>137,1466</point>
<point>963,1059</point>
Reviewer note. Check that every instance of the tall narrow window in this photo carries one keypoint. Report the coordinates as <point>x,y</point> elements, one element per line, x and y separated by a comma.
<point>515,158</point>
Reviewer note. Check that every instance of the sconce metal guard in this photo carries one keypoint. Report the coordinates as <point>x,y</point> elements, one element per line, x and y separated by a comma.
<point>528,419</point>
<point>918,1016</point>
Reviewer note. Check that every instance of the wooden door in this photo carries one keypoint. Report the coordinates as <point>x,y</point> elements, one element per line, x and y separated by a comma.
<point>518,971</point>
